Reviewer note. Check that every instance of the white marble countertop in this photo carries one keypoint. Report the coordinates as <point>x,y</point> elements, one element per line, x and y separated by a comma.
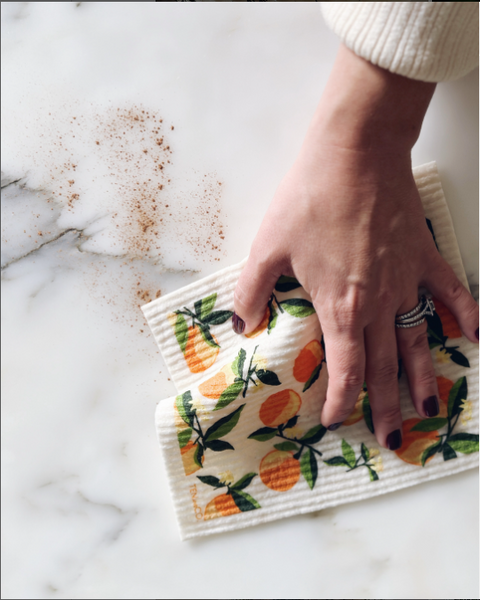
<point>92,228</point>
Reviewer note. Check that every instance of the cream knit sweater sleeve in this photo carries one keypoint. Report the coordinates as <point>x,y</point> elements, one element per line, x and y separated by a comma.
<point>431,41</point>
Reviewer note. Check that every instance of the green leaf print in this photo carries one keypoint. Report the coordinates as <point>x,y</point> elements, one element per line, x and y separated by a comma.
<point>273,316</point>
<point>458,358</point>
<point>286,284</point>
<point>181,332</point>
<point>365,452</point>
<point>229,394</point>
<point>202,318</point>
<point>184,437</point>
<point>458,393</point>
<point>218,445</point>
<point>224,426</point>
<point>218,317</point>
<point>267,377</point>
<point>297,307</point>
<point>448,452</point>
<point>466,443</point>
<point>435,330</point>
<point>369,458</point>
<point>367,413</point>
<point>263,434</point>
<point>309,468</point>
<point>313,377</point>
<point>211,480</point>
<point>197,457</point>
<point>436,338</point>
<point>244,501</point>
<point>243,482</point>
<point>286,446</point>
<point>430,424</point>
<point>430,451</point>
<point>207,336</point>
<point>239,363</point>
<point>348,453</point>
<point>314,435</point>
<point>243,379</point>
<point>184,407</point>
<point>336,461</point>
<point>206,305</point>
<point>291,422</point>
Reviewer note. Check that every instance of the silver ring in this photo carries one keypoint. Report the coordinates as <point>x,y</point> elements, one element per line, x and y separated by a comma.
<point>417,315</point>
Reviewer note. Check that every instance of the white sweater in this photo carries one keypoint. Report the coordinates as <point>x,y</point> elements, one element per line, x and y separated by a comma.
<point>431,41</point>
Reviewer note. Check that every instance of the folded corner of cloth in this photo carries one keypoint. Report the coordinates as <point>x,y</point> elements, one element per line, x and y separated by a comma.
<point>243,442</point>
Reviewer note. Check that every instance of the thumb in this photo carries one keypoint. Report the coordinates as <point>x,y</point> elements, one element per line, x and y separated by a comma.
<point>252,293</point>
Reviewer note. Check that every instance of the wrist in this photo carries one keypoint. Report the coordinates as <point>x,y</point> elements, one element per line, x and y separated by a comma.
<point>367,108</point>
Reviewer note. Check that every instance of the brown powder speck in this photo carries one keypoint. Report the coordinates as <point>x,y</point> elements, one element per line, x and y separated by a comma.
<point>134,147</point>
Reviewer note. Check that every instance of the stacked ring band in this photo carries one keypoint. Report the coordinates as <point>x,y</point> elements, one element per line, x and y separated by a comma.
<point>417,315</point>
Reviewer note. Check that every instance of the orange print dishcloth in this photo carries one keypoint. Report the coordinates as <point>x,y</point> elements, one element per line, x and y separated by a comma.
<point>243,442</point>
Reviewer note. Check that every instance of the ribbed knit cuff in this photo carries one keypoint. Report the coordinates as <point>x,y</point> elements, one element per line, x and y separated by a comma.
<point>420,40</point>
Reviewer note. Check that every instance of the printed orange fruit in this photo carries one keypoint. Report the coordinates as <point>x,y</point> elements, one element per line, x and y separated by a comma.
<point>357,413</point>
<point>279,408</point>
<point>216,385</point>
<point>221,506</point>
<point>198,354</point>
<point>261,327</point>
<point>308,359</point>
<point>188,458</point>
<point>279,471</point>
<point>444,387</point>
<point>449,323</point>
<point>414,443</point>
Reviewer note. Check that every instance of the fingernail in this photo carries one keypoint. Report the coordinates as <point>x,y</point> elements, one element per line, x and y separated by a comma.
<point>333,426</point>
<point>238,324</point>
<point>431,406</point>
<point>394,440</point>
<point>476,334</point>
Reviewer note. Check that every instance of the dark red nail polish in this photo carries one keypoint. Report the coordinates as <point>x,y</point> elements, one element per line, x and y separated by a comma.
<point>431,406</point>
<point>394,440</point>
<point>238,324</point>
<point>333,426</point>
<point>476,334</point>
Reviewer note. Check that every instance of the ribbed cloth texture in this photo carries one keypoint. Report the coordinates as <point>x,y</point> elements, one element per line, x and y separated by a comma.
<point>278,481</point>
<point>430,41</point>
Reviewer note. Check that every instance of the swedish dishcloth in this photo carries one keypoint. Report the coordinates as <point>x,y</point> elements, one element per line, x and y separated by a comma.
<point>242,441</point>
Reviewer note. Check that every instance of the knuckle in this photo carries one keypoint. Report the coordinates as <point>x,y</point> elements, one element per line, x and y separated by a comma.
<point>242,299</point>
<point>455,290</point>
<point>389,414</point>
<point>417,342</point>
<point>350,381</point>
<point>426,379</point>
<point>471,312</point>
<point>336,411</point>
<point>342,312</point>
<point>387,298</point>
<point>384,373</point>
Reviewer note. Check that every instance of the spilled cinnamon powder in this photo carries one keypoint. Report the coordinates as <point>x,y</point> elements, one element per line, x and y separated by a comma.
<point>146,207</point>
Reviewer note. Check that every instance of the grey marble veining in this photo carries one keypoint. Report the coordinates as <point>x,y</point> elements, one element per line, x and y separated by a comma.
<point>87,512</point>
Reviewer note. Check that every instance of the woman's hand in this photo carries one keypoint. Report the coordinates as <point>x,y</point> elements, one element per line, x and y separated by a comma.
<point>348,223</point>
